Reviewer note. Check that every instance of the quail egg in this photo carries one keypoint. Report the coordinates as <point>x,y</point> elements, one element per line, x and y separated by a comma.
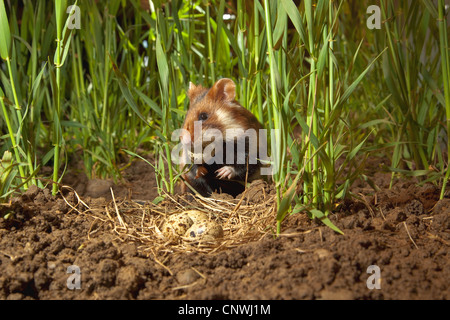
<point>204,230</point>
<point>176,225</point>
<point>197,216</point>
<point>193,225</point>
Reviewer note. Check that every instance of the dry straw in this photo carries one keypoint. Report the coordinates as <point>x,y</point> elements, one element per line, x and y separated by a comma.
<point>243,220</point>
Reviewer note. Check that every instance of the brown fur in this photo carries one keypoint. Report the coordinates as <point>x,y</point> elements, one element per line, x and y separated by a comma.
<point>220,98</point>
<point>223,111</point>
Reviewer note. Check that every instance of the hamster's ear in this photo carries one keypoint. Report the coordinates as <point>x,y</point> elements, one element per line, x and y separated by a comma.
<point>223,90</point>
<point>194,91</point>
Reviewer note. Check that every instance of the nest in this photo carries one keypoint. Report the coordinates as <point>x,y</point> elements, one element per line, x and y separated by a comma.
<point>249,217</point>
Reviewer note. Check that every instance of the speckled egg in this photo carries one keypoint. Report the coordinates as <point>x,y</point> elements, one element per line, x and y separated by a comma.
<point>204,230</point>
<point>192,225</point>
<point>197,216</point>
<point>176,225</point>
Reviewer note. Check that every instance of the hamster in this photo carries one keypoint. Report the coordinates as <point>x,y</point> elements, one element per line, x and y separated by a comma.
<point>234,158</point>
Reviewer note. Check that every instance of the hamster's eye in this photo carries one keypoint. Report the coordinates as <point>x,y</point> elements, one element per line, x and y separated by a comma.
<point>202,116</point>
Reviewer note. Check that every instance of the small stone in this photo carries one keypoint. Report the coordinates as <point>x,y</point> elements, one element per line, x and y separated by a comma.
<point>97,188</point>
<point>322,253</point>
<point>187,277</point>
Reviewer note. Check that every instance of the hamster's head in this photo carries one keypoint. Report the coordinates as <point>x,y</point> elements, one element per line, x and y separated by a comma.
<point>215,108</point>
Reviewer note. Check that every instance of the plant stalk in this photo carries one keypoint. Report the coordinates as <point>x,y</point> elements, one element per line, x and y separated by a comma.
<point>19,121</point>
<point>445,64</point>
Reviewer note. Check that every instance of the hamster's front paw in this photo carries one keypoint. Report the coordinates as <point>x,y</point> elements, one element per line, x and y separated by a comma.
<point>226,172</point>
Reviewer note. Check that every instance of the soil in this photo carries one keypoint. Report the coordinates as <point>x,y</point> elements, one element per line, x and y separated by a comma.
<point>403,230</point>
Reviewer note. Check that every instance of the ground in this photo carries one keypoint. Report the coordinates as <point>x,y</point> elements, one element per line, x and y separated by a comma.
<point>403,230</point>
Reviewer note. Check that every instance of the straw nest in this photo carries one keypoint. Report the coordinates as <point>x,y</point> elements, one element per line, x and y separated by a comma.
<point>249,217</point>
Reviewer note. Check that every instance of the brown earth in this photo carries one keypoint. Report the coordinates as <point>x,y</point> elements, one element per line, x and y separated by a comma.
<point>405,231</point>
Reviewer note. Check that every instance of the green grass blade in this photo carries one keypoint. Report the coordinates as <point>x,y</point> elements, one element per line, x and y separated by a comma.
<point>353,86</point>
<point>5,33</point>
<point>126,92</point>
<point>295,17</point>
<point>325,220</point>
<point>60,10</point>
